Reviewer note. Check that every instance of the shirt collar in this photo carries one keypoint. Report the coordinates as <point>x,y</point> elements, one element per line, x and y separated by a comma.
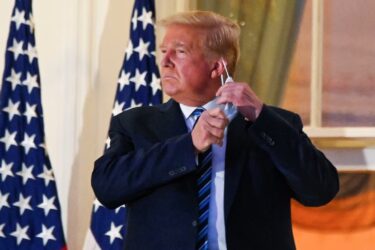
<point>187,110</point>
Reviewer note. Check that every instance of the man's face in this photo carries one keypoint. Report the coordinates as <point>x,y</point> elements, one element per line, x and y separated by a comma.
<point>186,72</point>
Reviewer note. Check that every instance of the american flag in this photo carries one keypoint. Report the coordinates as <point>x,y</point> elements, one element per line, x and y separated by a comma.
<point>29,207</point>
<point>138,85</point>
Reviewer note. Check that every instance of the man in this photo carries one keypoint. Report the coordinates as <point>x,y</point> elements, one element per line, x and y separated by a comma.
<point>253,165</point>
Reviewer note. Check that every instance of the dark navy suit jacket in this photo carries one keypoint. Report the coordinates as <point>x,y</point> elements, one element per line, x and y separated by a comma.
<point>150,166</point>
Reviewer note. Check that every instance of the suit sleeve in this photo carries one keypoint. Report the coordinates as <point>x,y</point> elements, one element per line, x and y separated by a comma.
<point>310,175</point>
<point>125,173</point>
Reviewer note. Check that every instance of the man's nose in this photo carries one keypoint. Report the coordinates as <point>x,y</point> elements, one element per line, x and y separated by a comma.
<point>166,60</point>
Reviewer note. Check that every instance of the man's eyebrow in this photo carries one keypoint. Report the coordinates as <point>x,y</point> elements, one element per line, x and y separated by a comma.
<point>174,44</point>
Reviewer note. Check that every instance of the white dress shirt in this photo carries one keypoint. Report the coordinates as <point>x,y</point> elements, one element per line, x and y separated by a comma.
<point>216,225</point>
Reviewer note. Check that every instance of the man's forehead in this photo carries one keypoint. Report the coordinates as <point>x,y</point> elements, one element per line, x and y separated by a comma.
<point>182,36</point>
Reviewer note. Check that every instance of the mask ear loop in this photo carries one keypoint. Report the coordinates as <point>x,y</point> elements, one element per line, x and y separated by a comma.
<point>229,78</point>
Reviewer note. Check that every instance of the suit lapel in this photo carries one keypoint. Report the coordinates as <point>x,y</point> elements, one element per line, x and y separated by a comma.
<point>172,122</point>
<point>235,159</point>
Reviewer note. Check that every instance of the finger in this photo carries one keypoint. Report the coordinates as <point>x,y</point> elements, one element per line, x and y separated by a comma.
<point>201,138</point>
<point>216,112</point>
<point>215,133</point>
<point>224,88</point>
<point>224,98</point>
<point>218,121</point>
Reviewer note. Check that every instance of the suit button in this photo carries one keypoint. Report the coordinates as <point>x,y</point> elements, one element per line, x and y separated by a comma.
<point>271,142</point>
<point>268,139</point>
<point>194,223</point>
<point>172,173</point>
<point>182,169</point>
<point>263,135</point>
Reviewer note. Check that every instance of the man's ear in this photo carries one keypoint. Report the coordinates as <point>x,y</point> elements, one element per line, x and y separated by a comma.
<point>217,69</point>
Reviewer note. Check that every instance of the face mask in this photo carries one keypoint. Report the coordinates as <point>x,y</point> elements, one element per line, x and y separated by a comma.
<point>229,109</point>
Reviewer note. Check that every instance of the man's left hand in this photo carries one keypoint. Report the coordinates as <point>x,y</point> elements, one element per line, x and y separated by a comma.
<point>241,96</point>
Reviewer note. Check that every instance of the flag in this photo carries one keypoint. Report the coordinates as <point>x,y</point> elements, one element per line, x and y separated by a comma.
<point>30,215</point>
<point>138,85</point>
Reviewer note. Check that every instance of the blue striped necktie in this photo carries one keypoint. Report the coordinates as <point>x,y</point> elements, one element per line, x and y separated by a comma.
<point>204,190</point>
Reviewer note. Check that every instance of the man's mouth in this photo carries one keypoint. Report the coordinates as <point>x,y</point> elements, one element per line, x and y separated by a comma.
<point>168,77</point>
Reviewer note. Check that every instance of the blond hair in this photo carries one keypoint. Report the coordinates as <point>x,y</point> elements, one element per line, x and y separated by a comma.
<point>222,36</point>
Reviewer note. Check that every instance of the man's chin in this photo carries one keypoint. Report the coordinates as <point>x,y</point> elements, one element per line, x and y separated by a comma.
<point>169,88</point>
<point>170,94</point>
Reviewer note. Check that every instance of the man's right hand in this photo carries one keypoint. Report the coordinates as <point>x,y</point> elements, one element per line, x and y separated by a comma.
<point>209,129</point>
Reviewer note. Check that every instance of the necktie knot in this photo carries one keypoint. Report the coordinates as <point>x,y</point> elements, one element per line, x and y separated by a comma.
<point>196,114</point>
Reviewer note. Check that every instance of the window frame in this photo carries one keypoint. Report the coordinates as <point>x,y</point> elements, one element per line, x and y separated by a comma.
<point>328,137</point>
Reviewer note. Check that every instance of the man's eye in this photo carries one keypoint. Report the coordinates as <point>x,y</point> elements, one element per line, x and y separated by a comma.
<point>180,51</point>
<point>163,51</point>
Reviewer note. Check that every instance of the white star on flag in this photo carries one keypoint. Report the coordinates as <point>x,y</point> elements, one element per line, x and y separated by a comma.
<point>145,18</point>
<point>2,230</point>
<point>23,203</point>
<point>134,104</point>
<point>124,79</point>
<point>18,18</point>
<point>47,204</point>
<point>129,50</point>
<point>20,233</point>
<point>47,175</point>
<point>108,142</point>
<point>30,23</point>
<point>114,232</point>
<point>9,139</point>
<point>14,79</point>
<point>118,108</point>
<point>30,112</point>
<point>142,49</point>
<point>46,234</point>
<point>4,200</point>
<point>28,142</point>
<point>119,208</point>
<point>6,170</point>
<point>139,79</point>
<point>16,48</point>
<point>26,173</point>
<point>12,109</point>
<point>31,52</point>
<point>135,20</point>
<point>97,204</point>
<point>31,82</point>
<point>155,84</point>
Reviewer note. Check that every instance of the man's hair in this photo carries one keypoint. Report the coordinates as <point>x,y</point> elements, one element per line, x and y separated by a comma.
<point>222,34</point>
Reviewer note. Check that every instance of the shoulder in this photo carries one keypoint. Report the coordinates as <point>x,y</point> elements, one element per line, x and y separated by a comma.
<point>276,115</point>
<point>139,116</point>
<point>142,111</point>
<point>286,114</point>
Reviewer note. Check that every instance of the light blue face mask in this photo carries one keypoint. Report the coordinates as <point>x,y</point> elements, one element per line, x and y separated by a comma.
<point>229,109</point>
